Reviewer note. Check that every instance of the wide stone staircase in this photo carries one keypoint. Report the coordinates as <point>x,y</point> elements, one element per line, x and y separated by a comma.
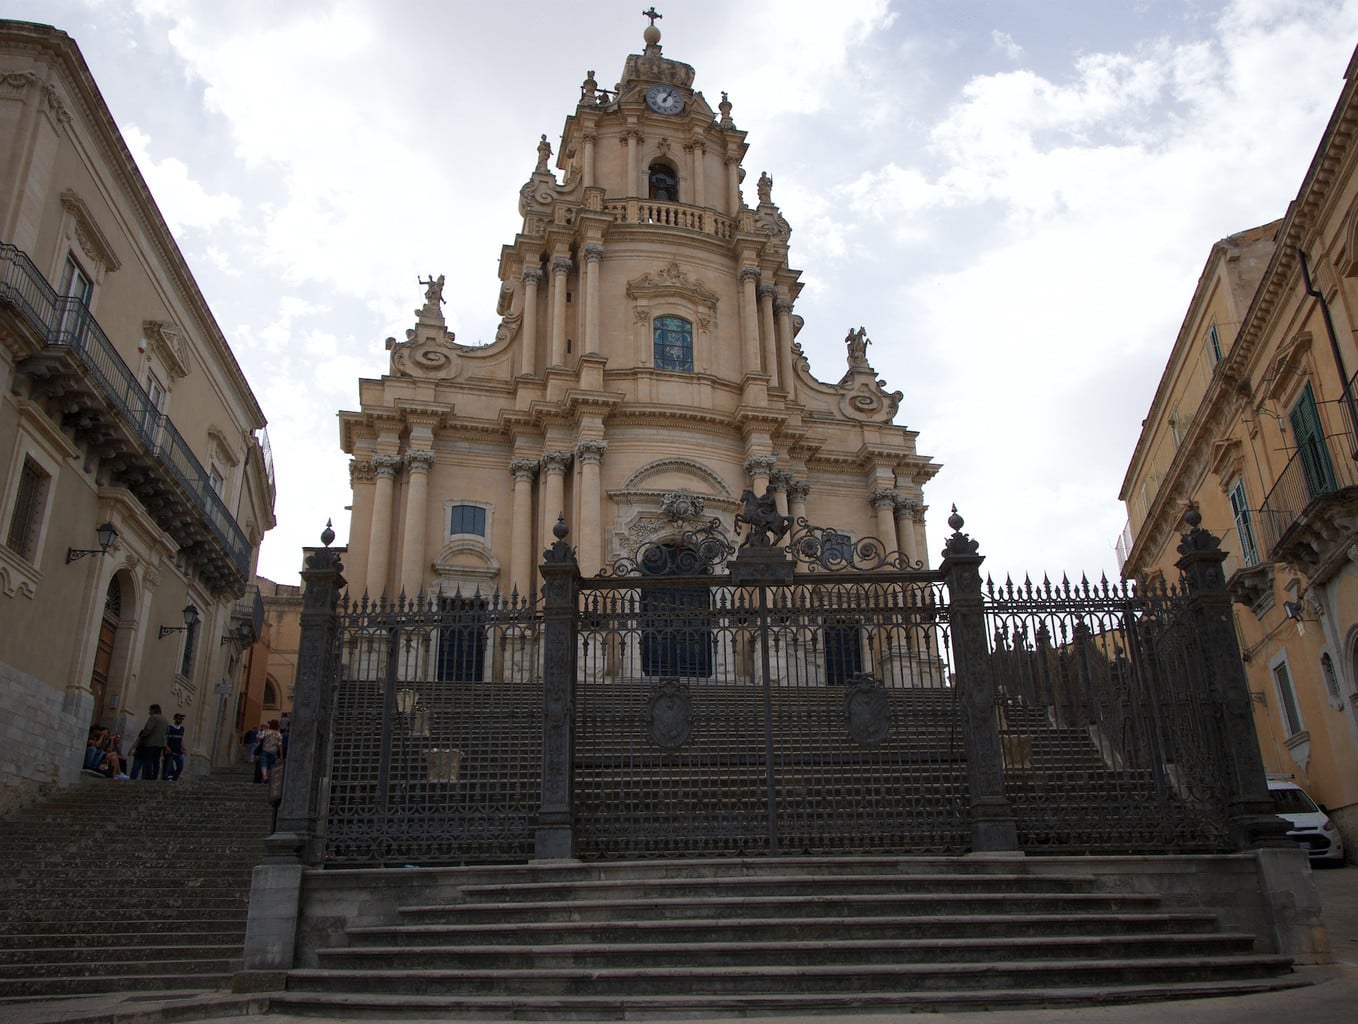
<point>767,936</point>
<point>116,886</point>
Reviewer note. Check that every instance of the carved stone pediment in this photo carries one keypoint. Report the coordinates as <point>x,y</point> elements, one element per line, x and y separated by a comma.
<point>672,281</point>
<point>92,241</point>
<point>427,352</point>
<point>1287,364</point>
<point>166,343</point>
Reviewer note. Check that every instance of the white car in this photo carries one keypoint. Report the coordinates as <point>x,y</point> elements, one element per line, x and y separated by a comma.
<point>1311,827</point>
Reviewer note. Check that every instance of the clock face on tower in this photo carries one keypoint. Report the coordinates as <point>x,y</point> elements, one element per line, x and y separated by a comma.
<point>664,99</point>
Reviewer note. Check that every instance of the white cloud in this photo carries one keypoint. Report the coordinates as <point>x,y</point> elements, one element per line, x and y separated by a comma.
<point>1006,44</point>
<point>184,203</point>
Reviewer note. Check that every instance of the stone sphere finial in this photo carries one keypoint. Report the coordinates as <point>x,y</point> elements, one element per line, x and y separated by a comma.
<point>956,521</point>
<point>327,535</point>
<point>1193,517</point>
<point>560,530</point>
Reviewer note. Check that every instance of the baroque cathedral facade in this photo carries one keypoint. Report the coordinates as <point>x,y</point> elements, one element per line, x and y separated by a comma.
<point>644,375</point>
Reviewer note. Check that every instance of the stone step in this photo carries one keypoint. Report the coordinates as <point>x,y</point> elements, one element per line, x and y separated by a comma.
<point>376,1006</point>
<point>122,963</point>
<point>50,939</point>
<point>824,950</point>
<point>829,905</point>
<point>800,884</point>
<point>801,978</point>
<point>701,929</point>
<point>84,985</point>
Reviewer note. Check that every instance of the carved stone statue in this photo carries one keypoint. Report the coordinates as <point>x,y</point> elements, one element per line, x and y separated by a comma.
<point>544,155</point>
<point>766,526</point>
<point>765,188</point>
<point>433,290</point>
<point>858,343</point>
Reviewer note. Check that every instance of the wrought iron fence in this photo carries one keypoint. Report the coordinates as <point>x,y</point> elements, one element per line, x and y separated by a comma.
<point>1109,734</point>
<point>816,698</point>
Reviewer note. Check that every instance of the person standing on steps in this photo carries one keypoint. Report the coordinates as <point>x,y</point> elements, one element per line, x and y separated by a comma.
<point>175,748</point>
<point>270,743</point>
<point>151,741</point>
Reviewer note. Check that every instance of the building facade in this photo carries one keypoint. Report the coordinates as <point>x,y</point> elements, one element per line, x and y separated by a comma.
<point>645,374</point>
<point>1255,422</point>
<point>135,481</point>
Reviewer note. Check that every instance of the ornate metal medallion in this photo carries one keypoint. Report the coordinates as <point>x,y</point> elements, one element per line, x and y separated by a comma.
<point>670,714</point>
<point>867,712</point>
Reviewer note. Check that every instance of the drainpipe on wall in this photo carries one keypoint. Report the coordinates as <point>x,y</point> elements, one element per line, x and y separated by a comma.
<point>1316,294</point>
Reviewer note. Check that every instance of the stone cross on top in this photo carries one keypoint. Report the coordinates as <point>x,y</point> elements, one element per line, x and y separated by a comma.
<point>652,14</point>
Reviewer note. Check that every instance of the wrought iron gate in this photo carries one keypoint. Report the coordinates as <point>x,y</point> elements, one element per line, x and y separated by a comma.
<point>811,714</point>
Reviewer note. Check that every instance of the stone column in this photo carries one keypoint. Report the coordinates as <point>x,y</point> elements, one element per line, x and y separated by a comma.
<point>590,454</point>
<point>780,480</point>
<point>594,255</point>
<point>532,277</point>
<point>588,172</point>
<point>696,151</point>
<point>749,319</point>
<point>993,827</point>
<point>921,538</point>
<point>759,468</point>
<point>884,504</point>
<point>797,491</point>
<point>561,266</point>
<point>733,185</point>
<point>379,535</point>
<point>630,137</point>
<point>905,529</point>
<point>521,557</point>
<point>767,337</point>
<point>787,376</point>
<point>554,466</point>
<point>418,464</point>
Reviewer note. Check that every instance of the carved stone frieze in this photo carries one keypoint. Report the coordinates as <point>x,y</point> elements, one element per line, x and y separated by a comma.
<point>681,505</point>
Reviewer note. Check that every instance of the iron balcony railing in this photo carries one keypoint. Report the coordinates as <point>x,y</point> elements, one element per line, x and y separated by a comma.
<point>1316,471</point>
<point>65,321</point>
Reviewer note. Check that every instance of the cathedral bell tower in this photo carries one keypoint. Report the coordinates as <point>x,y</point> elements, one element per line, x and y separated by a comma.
<point>645,370</point>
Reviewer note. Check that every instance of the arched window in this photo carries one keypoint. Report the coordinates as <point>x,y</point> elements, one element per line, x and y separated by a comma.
<point>270,700</point>
<point>673,344</point>
<point>664,183</point>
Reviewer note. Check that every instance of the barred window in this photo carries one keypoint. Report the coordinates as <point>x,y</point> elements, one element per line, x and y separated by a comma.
<point>29,501</point>
<point>467,519</point>
<point>673,344</point>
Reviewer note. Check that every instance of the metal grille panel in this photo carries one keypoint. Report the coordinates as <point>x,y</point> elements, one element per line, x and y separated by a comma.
<point>813,718</point>
<point>437,731</point>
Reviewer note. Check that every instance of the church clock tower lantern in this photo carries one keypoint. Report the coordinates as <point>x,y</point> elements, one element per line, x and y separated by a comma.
<point>644,373</point>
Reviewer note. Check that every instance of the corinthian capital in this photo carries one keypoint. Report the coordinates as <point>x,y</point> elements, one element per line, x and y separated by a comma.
<point>768,291</point>
<point>561,265</point>
<point>420,460</point>
<point>555,461</point>
<point>532,276</point>
<point>594,253</point>
<point>360,472</point>
<point>591,451</point>
<point>781,306</point>
<point>386,466</point>
<point>883,498</point>
<point>797,490</point>
<point>523,469</point>
<point>749,274</point>
<point>760,465</point>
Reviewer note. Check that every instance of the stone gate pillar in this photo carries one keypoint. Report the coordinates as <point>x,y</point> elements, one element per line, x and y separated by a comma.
<point>299,836</point>
<point>555,837</point>
<point>993,827</point>
<point>1252,822</point>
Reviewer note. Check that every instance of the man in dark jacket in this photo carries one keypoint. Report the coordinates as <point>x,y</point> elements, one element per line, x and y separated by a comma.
<point>151,741</point>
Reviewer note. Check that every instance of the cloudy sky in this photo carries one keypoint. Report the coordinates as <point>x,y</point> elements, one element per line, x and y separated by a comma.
<point>1015,198</point>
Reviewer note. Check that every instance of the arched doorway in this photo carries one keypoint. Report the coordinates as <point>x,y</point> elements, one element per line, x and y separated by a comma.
<point>663,183</point>
<point>103,652</point>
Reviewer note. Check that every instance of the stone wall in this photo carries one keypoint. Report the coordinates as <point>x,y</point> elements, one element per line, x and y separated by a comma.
<point>42,737</point>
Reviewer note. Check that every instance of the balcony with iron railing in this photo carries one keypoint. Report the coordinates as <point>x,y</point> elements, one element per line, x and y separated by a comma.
<point>100,400</point>
<point>1306,518</point>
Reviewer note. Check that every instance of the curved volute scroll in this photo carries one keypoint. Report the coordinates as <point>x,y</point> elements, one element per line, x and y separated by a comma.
<point>430,349</point>
<point>864,394</point>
